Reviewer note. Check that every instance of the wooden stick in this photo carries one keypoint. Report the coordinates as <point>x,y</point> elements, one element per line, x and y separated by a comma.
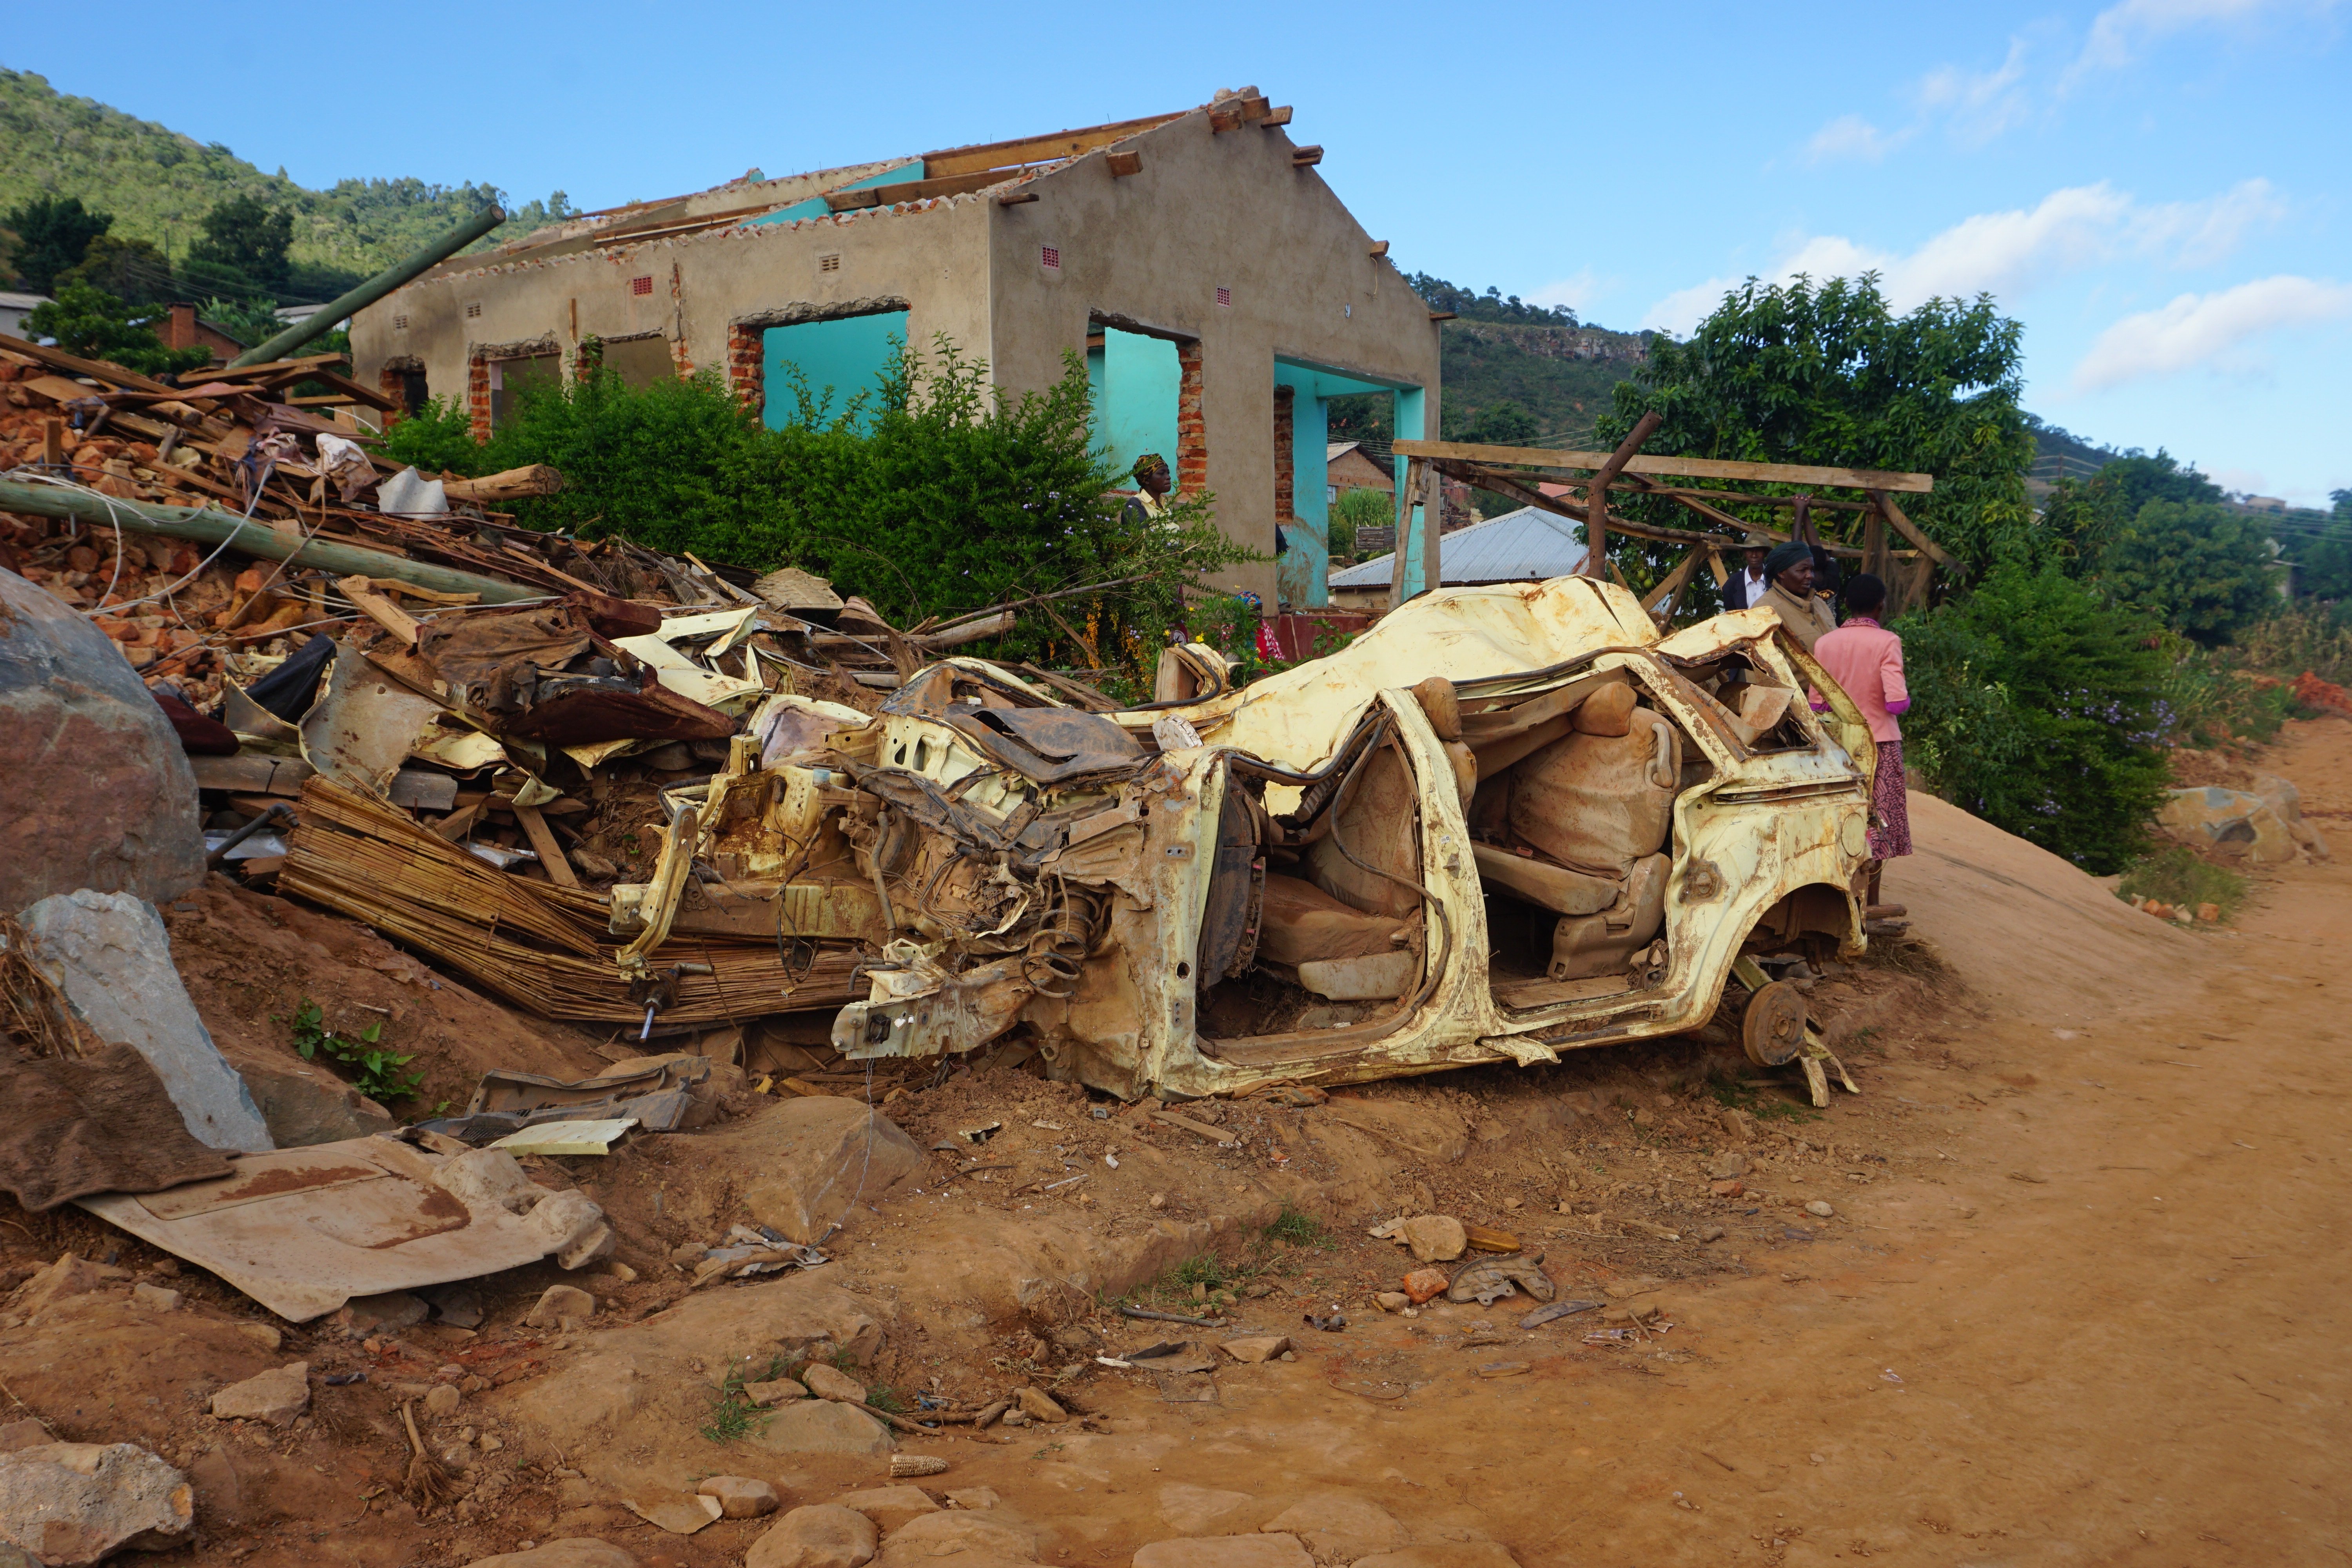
<point>1671,583</point>
<point>1596,491</point>
<point>1910,531</point>
<point>360,592</point>
<point>550,853</point>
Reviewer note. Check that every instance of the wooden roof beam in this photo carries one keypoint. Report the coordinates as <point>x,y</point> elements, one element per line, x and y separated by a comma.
<point>1034,149</point>
<point>1692,467</point>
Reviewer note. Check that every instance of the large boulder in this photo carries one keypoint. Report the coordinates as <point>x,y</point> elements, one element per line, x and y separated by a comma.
<point>99,793</point>
<point>821,1536</point>
<point>817,1157</point>
<point>69,1504</point>
<point>2234,822</point>
<point>961,1539</point>
<point>110,955</point>
<point>302,1104</point>
<point>573,1552</point>
<point>824,1426</point>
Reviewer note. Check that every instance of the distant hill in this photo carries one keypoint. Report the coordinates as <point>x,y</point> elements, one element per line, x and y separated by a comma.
<point>158,184</point>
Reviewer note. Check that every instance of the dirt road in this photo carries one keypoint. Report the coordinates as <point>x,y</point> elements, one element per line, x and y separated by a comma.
<point>2080,1298</point>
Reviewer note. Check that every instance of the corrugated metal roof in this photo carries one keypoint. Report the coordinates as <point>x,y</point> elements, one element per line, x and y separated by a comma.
<point>1529,545</point>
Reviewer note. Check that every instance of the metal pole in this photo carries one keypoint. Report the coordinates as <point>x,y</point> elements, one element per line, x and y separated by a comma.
<point>323,320</point>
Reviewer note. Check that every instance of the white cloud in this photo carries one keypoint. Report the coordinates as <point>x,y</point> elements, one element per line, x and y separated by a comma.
<point>2207,328</point>
<point>2009,254</point>
<point>1576,293</point>
<point>1978,105</point>
<point>1849,136</point>
<point>2121,32</point>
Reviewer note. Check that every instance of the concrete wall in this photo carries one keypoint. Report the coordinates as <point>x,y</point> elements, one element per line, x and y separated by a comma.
<point>1209,210</point>
<point>1148,252</point>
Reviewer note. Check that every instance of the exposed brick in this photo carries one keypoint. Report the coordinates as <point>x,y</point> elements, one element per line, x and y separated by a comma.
<point>389,381</point>
<point>1191,432</point>
<point>477,395</point>
<point>746,368</point>
<point>1285,457</point>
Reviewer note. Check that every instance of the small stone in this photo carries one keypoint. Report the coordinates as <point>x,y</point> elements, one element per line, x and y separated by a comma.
<point>766,1393</point>
<point>442,1400</point>
<point>823,1536</point>
<point>155,1298</point>
<point>830,1382</point>
<point>275,1398</point>
<point>622,1272</point>
<point>1251,1349</point>
<point>1435,1237</point>
<point>2209,913</point>
<point>1707,1232</point>
<point>1019,1419</point>
<point>1819,1209</point>
<point>573,1552</point>
<point>681,1515</point>
<point>1391,1300</point>
<point>262,1334</point>
<point>69,1275</point>
<point>1727,1189</point>
<point>687,1252</point>
<point>975,1498</point>
<point>890,1507</point>
<point>562,1306</point>
<point>1738,1125</point>
<point>1424,1283</point>
<point>1727,1166</point>
<point>459,1306</point>
<point>1040,1406</point>
<point>1225,1551</point>
<point>740,1497</point>
<point>365,1315</point>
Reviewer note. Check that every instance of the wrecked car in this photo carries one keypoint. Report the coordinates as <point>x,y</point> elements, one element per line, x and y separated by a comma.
<point>1504,823</point>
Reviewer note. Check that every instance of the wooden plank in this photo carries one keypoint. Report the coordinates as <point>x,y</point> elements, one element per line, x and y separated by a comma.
<point>251,773</point>
<point>917,190</point>
<point>1671,586</point>
<point>1033,149</point>
<point>1123,162</point>
<point>357,393</point>
<point>298,368</point>
<point>1910,531</point>
<point>1433,528</point>
<point>360,592</point>
<point>512,484</point>
<point>97,370</point>
<point>1692,467</point>
<point>1596,492</point>
<point>1306,157</point>
<point>550,853</point>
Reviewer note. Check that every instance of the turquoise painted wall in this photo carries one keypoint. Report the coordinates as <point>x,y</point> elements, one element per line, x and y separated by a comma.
<point>840,359</point>
<point>1410,402</point>
<point>1135,397</point>
<point>1310,425</point>
<point>815,206</point>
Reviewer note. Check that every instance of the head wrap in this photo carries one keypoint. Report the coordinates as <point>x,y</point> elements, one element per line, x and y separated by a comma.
<point>1784,557</point>
<point>1146,463</point>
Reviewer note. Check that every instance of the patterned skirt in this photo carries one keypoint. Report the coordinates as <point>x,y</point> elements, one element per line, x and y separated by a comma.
<point>1890,805</point>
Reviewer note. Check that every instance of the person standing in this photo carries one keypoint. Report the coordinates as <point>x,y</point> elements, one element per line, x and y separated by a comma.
<point>1747,584</point>
<point>1790,571</point>
<point>1866,659</point>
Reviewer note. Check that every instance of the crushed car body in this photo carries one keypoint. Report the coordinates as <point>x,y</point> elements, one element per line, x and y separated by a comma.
<point>1504,823</point>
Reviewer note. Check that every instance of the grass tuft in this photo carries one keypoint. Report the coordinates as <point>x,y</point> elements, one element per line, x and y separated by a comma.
<point>2178,876</point>
<point>1300,1228</point>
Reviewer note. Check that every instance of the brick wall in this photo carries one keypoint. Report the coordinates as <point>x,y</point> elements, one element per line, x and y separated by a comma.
<point>477,395</point>
<point>1285,457</point>
<point>1192,431</point>
<point>392,383</point>
<point>746,369</point>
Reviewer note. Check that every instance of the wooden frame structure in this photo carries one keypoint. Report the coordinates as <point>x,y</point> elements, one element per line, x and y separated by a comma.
<point>1520,471</point>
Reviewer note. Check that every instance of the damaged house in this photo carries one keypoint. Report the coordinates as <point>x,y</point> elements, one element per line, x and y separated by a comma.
<point>1220,291</point>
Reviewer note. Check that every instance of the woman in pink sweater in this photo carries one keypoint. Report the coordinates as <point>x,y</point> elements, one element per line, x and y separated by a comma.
<point>1866,659</point>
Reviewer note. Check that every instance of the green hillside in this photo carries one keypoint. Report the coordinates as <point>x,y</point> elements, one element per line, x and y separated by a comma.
<point>158,184</point>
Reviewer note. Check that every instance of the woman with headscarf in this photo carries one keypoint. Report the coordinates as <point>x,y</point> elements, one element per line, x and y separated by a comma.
<point>1790,571</point>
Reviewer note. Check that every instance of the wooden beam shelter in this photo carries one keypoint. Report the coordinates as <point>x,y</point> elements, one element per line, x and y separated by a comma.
<point>1683,468</point>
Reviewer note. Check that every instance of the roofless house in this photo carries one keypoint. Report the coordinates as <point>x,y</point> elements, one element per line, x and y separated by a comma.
<point>1220,291</point>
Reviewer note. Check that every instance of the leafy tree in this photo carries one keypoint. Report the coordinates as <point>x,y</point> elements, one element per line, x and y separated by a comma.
<point>53,233</point>
<point>132,269</point>
<point>2322,551</point>
<point>1828,374</point>
<point>97,325</point>
<point>250,322</point>
<point>1493,305</point>
<point>2038,705</point>
<point>1503,423</point>
<point>243,248</point>
<point>2204,568</point>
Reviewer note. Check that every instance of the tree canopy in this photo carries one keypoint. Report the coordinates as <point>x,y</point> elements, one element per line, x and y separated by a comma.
<point>53,233</point>
<point>2205,569</point>
<point>1828,374</point>
<point>90,321</point>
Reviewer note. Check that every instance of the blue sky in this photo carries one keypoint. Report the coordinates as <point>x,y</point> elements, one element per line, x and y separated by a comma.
<point>2157,188</point>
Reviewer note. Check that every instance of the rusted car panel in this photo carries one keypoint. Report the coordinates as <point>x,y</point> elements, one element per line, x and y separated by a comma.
<point>1504,823</point>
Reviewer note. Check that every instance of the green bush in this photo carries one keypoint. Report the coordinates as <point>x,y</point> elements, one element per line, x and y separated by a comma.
<point>95,324</point>
<point>2204,568</point>
<point>2309,636</point>
<point>932,492</point>
<point>2216,699</point>
<point>1355,509</point>
<point>2038,706</point>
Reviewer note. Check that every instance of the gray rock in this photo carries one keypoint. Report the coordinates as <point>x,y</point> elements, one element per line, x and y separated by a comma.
<point>829,1383</point>
<point>824,1426</point>
<point>71,1504</point>
<point>827,1153</point>
<point>823,1536</point>
<point>560,1306</point>
<point>110,955</point>
<point>275,1398</point>
<point>99,793</point>
<point>303,1105</point>
<point>385,1314</point>
<point>740,1497</point>
<point>956,1537</point>
<point>1226,1551</point>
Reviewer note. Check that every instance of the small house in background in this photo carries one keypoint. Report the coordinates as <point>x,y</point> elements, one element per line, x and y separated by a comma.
<point>1347,466</point>
<point>1215,289</point>
<point>181,328</point>
<point>1529,545</point>
<point>14,308</point>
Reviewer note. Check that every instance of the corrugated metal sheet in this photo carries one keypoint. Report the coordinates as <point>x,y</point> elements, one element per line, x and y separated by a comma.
<point>1528,545</point>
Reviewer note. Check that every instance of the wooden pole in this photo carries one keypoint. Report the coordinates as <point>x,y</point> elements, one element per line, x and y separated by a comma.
<point>1596,492</point>
<point>1433,529</point>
